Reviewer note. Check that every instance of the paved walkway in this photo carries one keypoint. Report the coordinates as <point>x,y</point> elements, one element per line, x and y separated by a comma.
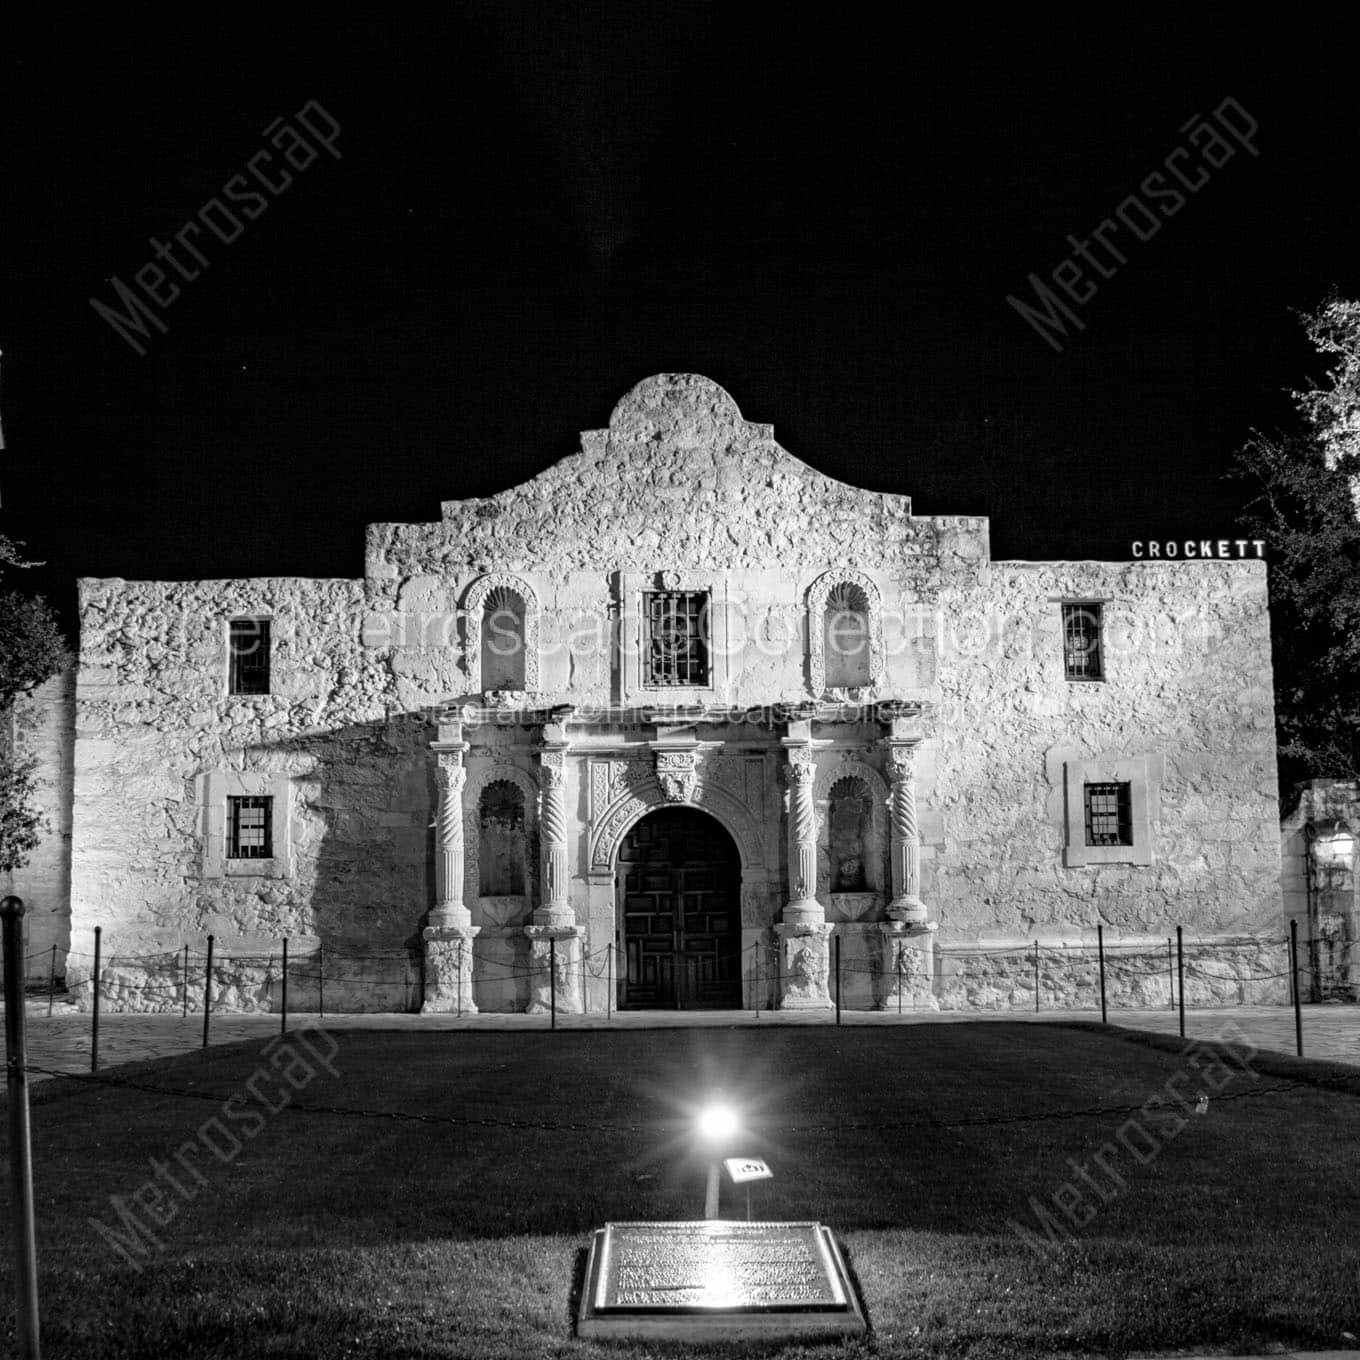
<point>62,1041</point>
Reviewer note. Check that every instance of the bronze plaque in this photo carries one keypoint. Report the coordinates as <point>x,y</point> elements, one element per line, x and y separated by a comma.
<point>716,1278</point>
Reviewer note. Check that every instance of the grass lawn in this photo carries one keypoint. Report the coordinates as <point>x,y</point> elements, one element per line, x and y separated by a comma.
<point>343,1236</point>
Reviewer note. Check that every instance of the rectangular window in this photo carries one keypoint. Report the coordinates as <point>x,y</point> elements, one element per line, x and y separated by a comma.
<point>248,828</point>
<point>249,652</point>
<point>1081,642</point>
<point>675,638</point>
<point>1109,814</point>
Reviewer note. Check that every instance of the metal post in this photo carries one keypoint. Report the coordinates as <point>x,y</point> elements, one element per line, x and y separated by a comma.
<point>283,1022</point>
<point>711,1190</point>
<point>1170,976</point>
<point>20,1151</point>
<point>838,979</point>
<point>321,979</point>
<point>1180,976</point>
<point>755,953</point>
<point>207,992</point>
<point>94,1018</point>
<point>460,977</point>
<point>184,982</point>
<point>552,982</point>
<point>899,982</point>
<point>609,991</point>
<point>1293,971</point>
<point>1036,977</point>
<point>51,981</point>
<point>1100,946</point>
<point>1293,978</point>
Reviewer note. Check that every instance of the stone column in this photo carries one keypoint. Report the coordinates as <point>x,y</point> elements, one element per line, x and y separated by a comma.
<point>905,843</point>
<point>554,907</point>
<point>450,934</point>
<point>804,951</point>
<point>554,934</point>
<point>802,908</point>
<point>450,778</point>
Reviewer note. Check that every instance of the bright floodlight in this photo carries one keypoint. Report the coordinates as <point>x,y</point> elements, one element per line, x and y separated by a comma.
<point>717,1123</point>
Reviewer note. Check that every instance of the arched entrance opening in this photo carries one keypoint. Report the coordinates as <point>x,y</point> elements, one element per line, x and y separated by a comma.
<point>678,880</point>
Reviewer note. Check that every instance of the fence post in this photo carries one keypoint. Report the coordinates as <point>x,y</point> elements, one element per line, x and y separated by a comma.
<point>899,981</point>
<point>1036,977</point>
<point>1100,946</point>
<point>1294,973</point>
<point>52,981</point>
<point>1170,976</point>
<point>94,1018</point>
<point>283,1023</point>
<point>321,979</point>
<point>837,942</point>
<point>20,1150</point>
<point>207,992</point>
<point>460,977</point>
<point>552,983</point>
<point>755,958</point>
<point>609,991</point>
<point>184,983</point>
<point>1180,976</point>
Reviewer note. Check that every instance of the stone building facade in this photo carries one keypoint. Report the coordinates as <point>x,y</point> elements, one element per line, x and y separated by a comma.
<point>683,720</point>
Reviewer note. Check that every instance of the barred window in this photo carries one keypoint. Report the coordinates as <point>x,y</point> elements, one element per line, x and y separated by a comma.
<point>676,638</point>
<point>249,828</point>
<point>249,653</point>
<point>1109,814</point>
<point>1081,642</point>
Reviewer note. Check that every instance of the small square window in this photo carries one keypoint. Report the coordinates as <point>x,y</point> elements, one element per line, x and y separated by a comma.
<point>249,657</point>
<point>1109,814</point>
<point>1082,658</point>
<point>249,828</point>
<point>675,638</point>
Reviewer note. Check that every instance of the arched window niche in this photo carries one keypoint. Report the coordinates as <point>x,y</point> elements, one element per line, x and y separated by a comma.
<point>502,635</point>
<point>502,840</point>
<point>845,635</point>
<point>852,833</point>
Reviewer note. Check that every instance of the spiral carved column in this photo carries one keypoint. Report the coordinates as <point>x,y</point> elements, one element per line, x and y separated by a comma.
<point>905,840</point>
<point>450,934</point>
<point>804,949</point>
<point>552,830</point>
<point>450,777</point>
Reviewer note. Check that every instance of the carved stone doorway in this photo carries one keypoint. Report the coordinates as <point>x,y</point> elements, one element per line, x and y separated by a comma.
<point>678,881</point>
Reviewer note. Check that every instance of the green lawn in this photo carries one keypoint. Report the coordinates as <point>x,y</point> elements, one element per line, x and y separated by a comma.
<point>334,1235</point>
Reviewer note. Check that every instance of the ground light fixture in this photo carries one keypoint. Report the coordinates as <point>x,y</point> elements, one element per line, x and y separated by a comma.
<point>716,1125</point>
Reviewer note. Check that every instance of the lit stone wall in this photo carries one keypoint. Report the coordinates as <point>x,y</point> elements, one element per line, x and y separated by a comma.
<point>678,493</point>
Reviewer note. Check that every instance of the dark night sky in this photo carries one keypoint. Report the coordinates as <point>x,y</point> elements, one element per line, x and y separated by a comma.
<point>536,207</point>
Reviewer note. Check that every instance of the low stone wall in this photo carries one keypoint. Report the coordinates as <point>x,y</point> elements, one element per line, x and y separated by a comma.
<point>966,977</point>
<point>155,984</point>
<point>1224,972</point>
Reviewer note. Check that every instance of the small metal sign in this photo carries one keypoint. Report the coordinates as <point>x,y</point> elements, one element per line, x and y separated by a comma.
<point>715,1279</point>
<point>743,1169</point>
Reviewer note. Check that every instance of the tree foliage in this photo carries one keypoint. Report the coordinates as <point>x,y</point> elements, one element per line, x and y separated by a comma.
<point>31,651</point>
<point>1304,505</point>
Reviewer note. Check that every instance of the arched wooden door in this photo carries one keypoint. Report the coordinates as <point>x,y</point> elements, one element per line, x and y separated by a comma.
<point>679,886</point>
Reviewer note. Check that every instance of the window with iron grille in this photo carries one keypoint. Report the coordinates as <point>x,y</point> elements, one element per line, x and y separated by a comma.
<point>249,651</point>
<point>249,828</point>
<point>1081,642</point>
<point>676,637</point>
<point>1109,814</point>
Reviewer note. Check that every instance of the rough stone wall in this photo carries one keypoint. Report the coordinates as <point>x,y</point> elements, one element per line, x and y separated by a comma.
<point>677,483</point>
<point>42,725</point>
<point>1188,686</point>
<point>154,720</point>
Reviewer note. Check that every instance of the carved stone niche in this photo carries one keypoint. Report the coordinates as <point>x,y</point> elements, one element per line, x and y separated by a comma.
<point>678,774</point>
